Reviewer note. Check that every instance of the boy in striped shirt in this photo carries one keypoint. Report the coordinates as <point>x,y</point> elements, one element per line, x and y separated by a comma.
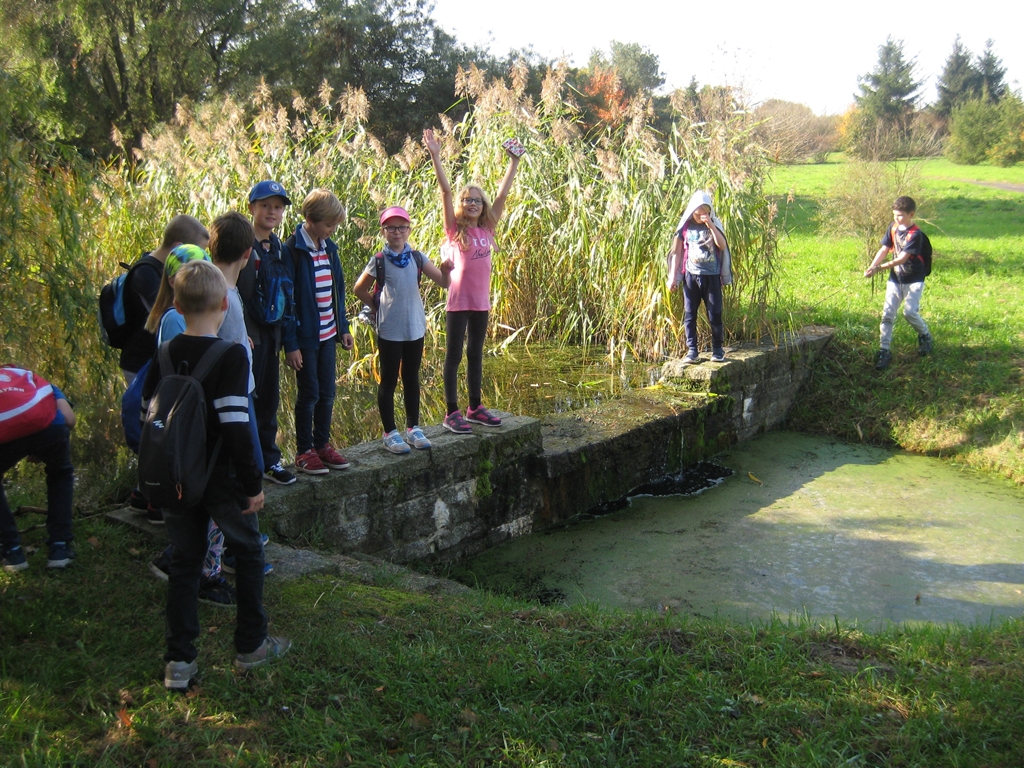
<point>320,325</point>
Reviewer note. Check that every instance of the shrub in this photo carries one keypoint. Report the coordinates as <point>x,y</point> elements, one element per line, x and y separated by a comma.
<point>973,130</point>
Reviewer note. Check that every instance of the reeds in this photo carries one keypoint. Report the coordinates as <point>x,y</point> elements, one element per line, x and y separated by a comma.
<point>581,251</point>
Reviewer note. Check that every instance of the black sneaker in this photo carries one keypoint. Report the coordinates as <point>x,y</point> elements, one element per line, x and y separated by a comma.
<point>154,515</point>
<point>882,359</point>
<point>278,474</point>
<point>924,343</point>
<point>61,555</point>
<point>217,591</point>
<point>161,567</point>
<point>137,501</point>
<point>13,559</point>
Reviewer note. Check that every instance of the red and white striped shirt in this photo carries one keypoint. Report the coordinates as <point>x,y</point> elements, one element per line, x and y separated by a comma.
<point>324,288</point>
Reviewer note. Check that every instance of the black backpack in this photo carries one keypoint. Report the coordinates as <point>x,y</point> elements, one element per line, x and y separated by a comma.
<point>173,470</point>
<point>274,297</point>
<point>926,246</point>
<point>115,330</point>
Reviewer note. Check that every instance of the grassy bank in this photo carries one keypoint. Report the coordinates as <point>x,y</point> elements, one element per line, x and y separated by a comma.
<point>964,401</point>
<point>382,677</point>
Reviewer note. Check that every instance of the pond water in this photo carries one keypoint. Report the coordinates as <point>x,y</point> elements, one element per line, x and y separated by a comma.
<point>524,379</point>
<point>804,526</point>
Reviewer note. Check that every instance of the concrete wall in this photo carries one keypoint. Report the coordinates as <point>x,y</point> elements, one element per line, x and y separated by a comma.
<point>472,492</point>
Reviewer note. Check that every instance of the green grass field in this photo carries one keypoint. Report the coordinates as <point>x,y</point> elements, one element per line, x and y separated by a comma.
<point>964,401</point>
<point>384,677</point>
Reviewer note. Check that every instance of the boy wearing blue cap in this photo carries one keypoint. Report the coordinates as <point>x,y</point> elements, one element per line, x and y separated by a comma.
<point>266,287</point>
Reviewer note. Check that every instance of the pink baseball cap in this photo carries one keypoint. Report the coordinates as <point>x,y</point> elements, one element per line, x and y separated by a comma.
<point>395,211</point>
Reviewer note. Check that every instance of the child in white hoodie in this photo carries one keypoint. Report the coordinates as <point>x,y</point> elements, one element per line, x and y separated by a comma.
<point>701,262</point>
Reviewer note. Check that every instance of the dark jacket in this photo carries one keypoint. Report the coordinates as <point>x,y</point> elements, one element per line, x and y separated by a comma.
<point>246,285</point>
<point>305,333</point>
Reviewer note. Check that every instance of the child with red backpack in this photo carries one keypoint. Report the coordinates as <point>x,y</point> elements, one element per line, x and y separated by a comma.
<point>35,423</point>
<point>910,264</point>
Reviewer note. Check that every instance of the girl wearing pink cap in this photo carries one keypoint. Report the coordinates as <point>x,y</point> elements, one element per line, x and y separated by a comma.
<point>390,285</point>
<point>469,239</point>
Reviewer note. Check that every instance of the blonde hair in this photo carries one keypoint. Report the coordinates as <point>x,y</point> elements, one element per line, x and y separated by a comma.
<point>199,287</point>
<point>486,219</point>
<point>322,205</point>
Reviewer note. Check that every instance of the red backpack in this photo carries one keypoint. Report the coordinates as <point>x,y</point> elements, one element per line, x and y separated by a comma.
<point>27,403</point>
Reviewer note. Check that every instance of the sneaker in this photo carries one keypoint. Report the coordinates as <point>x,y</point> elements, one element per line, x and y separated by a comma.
<point>271,648</point>
<point>691,358</point>
<point>481,415</point>
<point>924,343</point>
<point>278,474</point>
<point>154,515</point>
<point>718,356</point>
<point>14,559</point>
<point>331,458</point>
<point>61,555</point>
<point>178,674</point>
<point>454,422</point>
<point>415,436</point>
<point>137,501</point>
<point>217,591</point>
<point>882,359</point>
<point>309,462</point>
<point>394,442</point>
<point>161,566</point>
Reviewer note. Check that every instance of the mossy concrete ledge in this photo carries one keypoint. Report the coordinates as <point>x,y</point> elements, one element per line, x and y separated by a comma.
<point>473,492</point>
<point>466,494</point>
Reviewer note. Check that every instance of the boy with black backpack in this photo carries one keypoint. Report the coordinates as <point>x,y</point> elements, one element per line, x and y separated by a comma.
<point>266,285</point>
<point>910,264</point>
<point>225,486</point>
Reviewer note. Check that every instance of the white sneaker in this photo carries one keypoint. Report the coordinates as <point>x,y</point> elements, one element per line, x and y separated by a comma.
<point>415,436</point>
<point>394,442</point>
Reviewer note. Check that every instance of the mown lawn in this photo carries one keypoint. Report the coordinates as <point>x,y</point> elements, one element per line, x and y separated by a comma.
<point>384,677</point>
<point>964,401</point>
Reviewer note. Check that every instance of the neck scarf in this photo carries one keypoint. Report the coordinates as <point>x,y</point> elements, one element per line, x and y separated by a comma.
<point>400,260</point>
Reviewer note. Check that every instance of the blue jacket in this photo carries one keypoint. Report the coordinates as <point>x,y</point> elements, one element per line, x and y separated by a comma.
<point>305,333</point>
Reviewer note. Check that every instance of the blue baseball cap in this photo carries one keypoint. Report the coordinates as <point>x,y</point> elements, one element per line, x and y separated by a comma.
<point>267,189</point>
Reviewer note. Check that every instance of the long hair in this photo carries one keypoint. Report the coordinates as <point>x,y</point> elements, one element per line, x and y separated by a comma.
<point>164,299</point>
<point>485,220</point>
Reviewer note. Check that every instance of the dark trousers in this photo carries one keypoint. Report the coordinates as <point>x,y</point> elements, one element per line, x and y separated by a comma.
<point>470,327</point>
<point>223,502</point>
<point>316,384</point>
<point>394,356</point>
<point>52,446</point>
<point>266,370</point>
<point>706,288</point>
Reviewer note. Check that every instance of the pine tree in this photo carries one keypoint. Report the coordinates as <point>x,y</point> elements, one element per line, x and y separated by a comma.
<point>960,80</point>
<point>889,93</point>
<point>991,73</point>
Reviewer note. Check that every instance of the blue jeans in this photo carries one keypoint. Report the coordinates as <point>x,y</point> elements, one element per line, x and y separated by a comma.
<point>223,502</point>
<point>706,288</point>
<point>316,384</point>
<point>52,446</point>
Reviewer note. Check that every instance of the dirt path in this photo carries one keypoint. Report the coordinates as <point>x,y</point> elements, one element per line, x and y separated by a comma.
<point>994,184</point>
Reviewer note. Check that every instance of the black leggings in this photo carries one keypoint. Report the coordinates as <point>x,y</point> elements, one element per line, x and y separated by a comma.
<point>456,326</point>
<point>394,356</point>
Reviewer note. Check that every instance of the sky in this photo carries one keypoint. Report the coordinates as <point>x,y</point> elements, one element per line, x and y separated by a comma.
<point>811,53</point>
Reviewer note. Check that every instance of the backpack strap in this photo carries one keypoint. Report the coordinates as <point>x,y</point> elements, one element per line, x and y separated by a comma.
<point>419,266</point>
<point>210,358</point>
<point>379,270</point>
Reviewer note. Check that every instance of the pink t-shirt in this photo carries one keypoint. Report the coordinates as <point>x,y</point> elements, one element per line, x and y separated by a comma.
<point>471,279</point>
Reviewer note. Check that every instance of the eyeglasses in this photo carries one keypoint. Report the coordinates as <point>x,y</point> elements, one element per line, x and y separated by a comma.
<point>394,230</point>
<point>472,201</point>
